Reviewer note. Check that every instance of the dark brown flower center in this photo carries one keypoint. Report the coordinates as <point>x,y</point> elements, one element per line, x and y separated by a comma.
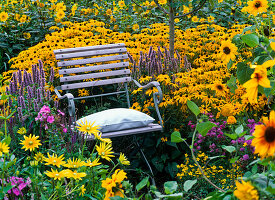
<point>269,134</point>
<point>219,87</point>
<point>257,4</point>
<point>258,76</point>
<point>226,50</point>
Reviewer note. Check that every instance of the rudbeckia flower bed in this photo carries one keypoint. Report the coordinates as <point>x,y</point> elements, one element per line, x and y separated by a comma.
<point>218,108</point>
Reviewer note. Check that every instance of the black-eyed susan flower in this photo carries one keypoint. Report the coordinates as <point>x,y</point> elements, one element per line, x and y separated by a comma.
<point>257,6</point>
<point>30,143</point>
<point>74,174</point>
<point>228,51</point>
<point>3,16</point>
<point>54,160</point>
<point>246,191</point>
<point>4,148</point>
<point>264,141</point>
<point>75,163</point>
<point>104,150</point>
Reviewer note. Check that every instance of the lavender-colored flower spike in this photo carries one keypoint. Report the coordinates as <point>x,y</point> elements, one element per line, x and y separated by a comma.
<point>51,75</point>
<point>36,107</point>
<point>37,76</point>
<point>30,79</point>
<point>30,92</point>
<point>26,80</point>
<point>21,91</point>
<point>42,82</point>
<point>34,73</point>
<point>33,91</point>
<point>39,99</point>
<point>20,114</point>
<point>10,102</point>
<point>42,73</point>
<point>48,95</point>
<point>19,102</point>
<point>19,75</point>
<point>22,101</point>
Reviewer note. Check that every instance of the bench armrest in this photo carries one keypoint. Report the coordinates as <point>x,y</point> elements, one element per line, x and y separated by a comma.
<point>157,96</point>
<point>71,105</point>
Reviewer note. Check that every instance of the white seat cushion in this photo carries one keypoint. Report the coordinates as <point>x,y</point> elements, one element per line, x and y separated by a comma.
<point>118,119</point>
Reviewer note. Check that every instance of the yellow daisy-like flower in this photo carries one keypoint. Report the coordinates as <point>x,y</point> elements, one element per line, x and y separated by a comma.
<point>162,2</point>
<point>136,106</point>
<point>30,143</point>
<point>245,191</point>
<point>54,160</point>
<point>89,163</point>
<point>121,4</point>
<point>4,148</point>
<point>55,174</point>
<point>119,176</point>
<point>75,163</point>
<point>123,160</point>
<point>98,136</point>
<point>105,151</point>
<point>82,190</point>
<point>259,77</point>
<point>231,120</point>
<point>74,174</point>
<point>39,157</point>
<point>264,141</point>
<point>22,131</point>
<point>135,27</point>
<point>228,51</point>
<point>87,127</point>
<point>60,14</point>
<point>257,6</point>
<point>109,12</point>
<point>3,16</point>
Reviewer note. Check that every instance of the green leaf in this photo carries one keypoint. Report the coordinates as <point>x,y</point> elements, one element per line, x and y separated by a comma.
<point>232,84</point>
<point>176,137</point>
<point>254,169</point>
<point>244,72</point>
<point>239,130</point>
<point>231,136</point>
<point>204,127</point>
<point>233,160</point>
<point>229,64</point>
<point>193,107</point>
<point>170,187</point>
<point>142,183</point>
<point>8,187</point>
<point>4,97</point>
<point>230,149</point>
<point>248,137</point>
<point>7,140</point>
<point>189,184</point>
<point>251,40</point>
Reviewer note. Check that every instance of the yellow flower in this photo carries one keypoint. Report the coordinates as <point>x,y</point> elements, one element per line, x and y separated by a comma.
<point>3,16</point>
<point>121,4</point>
<point>177,20</point>
<point>74,174</point>
<point>30,143</point>
<point>245,191</point>
<point>75,163</point>
<point>55,174</point>
<point>22,131</point>
<point>272,44</point>
<point>119,176</point>
<point>27,36</point>
<point>4,148</point>
<point>87,127</point>
<point>92,164</point>
<point>257,6</point>
<point>231,120</point>
<point>82,190</point>
<point>109,12</point>
<point>136,106</point>
<point>23,18</point>
<point>105,151</point>
<point>228,51</point>
<point>54,160</point>
<point>162,2</point>
<point>135,27</point>
<point>60,14</point>
<point>195,19</point>
<point>39,157</point>
<point>123,160</point>
<point>264,141</point>
<point>210,19</point>
<point>259,77</point>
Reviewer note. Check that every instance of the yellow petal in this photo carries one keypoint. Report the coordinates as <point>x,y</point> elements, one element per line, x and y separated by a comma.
<point>269,63</point>
<point>251,83</point>
<point>272,45</point>
<point>264,82</point>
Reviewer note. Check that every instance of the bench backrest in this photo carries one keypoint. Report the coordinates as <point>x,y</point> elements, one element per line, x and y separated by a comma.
<point>104,64</point>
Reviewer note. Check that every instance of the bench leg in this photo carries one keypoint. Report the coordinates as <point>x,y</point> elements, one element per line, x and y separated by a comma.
<point>145,159</point>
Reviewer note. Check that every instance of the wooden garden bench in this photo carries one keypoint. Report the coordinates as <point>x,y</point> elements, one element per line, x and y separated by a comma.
<point>82,63</point>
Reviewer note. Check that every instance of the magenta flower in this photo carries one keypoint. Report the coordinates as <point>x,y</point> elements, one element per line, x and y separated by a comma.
<point>45,109</point>
<point>65,130</point>
<point>50,119</point>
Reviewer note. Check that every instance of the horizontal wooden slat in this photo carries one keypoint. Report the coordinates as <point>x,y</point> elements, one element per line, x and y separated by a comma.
<point>95,83</point>
<point>100,95</point>
<point>90,53</point>
<point>95,75</point>
<point>93,68</point>
<point>150,128</point>
<point>89,48</point>
<point>92,60</point>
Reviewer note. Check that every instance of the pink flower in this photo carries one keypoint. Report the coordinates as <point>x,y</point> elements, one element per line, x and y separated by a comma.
<point>65,130</point>
<point>50,119</point>
<point>60,112</point>
<point>45,109</point>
